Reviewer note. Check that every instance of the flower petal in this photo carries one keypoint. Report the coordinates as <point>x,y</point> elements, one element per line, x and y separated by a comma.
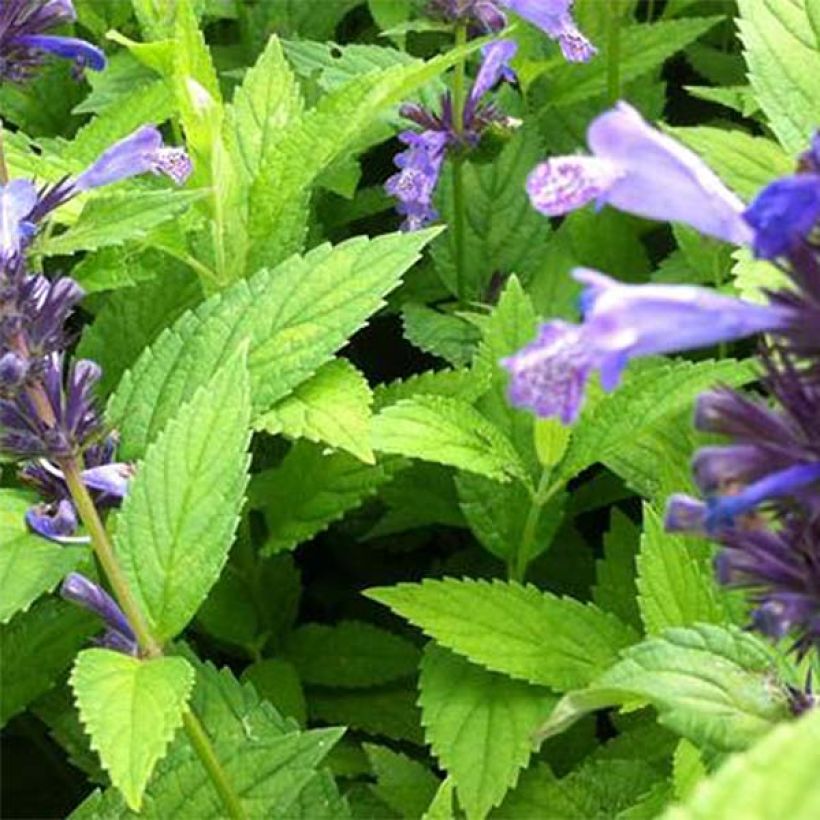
<point>564,184</point>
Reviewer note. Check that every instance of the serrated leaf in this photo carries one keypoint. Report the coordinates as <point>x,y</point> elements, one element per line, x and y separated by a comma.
<point>462,384</point>
<point>688,769</point>
<point>446,431</point>
<point>513,629</point>
<point>29,565</point>
<point>113,219</point>
<point>775,779</point>
<point>615,589</point>
<point>441,334</point>
<point>295,317</point>
<point>332,407</point>
<point>652,389</point>
<point>441,806</point>
<point>349,654</point>
<point>37,647</point>
<point>402,783</point>
<point>278,682</point>
<point>713,685</point>
<point>310,490</point>
<point>480,726</point>
<point>782,55</point>
<point>744,162</point>
<point>268,100</point>
<point>279,197</point>
<point>675,579</point>
<point>177,522</point>
<point>131,708</point>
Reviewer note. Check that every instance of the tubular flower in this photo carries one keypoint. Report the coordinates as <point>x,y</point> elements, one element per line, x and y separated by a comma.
<point>24,45</point>
<point>118,634</point>
<point>637,169</point>
<point>420,164</point>
<point>622,322</point>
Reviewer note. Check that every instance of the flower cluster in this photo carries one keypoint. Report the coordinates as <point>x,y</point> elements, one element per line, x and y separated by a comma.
<point>48,413</point>
<point>24,43</point>
<point>420,165</point>
<point>553,17</point>
<point>762,489</point>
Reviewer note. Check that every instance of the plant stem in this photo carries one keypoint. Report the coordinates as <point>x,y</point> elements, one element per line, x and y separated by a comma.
<point>459,203</point>
<point>542,495</point>
<point>202,745</point>
<point>149,645</point>
<point>613,52</point>
<point>650,11</point>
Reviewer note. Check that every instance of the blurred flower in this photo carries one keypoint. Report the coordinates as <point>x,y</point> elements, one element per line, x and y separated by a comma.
<point>420,165</point>
<point>637,169</point>
<point>23,44</point>
<point>118,635</point>
<point>622,322</point>
<point>554,18</point>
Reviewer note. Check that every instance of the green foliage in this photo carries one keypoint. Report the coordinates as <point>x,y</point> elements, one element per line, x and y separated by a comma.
<point>131,708</point>
<point>513,629</point>
<point>479,725</point>
<point>182,508</point>
<point>405,785</point>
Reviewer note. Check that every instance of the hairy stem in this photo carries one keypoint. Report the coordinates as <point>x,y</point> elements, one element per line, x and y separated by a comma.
<point>459,203</point>
<point>544,492</point>
<point>149,645</point>
<point>613,52</point>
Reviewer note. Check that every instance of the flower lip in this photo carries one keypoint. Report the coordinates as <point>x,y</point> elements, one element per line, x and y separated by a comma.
<point>71,48</point>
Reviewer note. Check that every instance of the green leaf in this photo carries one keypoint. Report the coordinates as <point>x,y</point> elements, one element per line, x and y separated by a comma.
<point>775,779</point>
<point>615,589</point>
<point>278,682</point>
<point>782,55</point>
<point>446,431</point>
<point>652,389</point>
<point>131,708</point>
<point>402,783</point>
<point>688,769</point>
<point>310,490</point>
<point>441,807</point>
<point>37,647</point>
<point>280,195</point>
<point>642,48</point>
<point>116,218</point>
<point>444,335</point>
<point>504,233</point>
<point>745,163</point>
<point>177,523</point>
<point>332,407</point>
<point>480,726</point>
<point>675,579</point>
<point>29,565</point>
<point>513,629</point>
<point>349,654</point>
<point>712,685</point>
<point>268,101</point>
<point>295,316</point>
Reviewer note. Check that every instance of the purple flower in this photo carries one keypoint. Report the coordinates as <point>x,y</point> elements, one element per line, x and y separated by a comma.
<point>56,522</point>
<point>139,153</point>
<point>17,200</point>
<point>638,169</point>
<point>420,165</point>
<point>621,322</point>
<point>118,635</point>
<point>553,17</point>
<point>484,15</point>
<point>784,214</point>
<point>23,43</point>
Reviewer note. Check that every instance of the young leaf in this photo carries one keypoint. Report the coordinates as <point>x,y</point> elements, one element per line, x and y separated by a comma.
<point>776,778</point>
<point>29,565</point>
<point>782,54</point>
<point>332,407</point>
<point>480,726</point>
<point>513,629</point>
<point>178,521</point>
<point>350,654</point>
<point>675,579</point>
<point>131,708</point>
<point>295,316</point>
<point>310,490</point>
<point>446,431</point>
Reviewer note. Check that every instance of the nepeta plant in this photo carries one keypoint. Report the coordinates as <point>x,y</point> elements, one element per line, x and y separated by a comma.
<point>408,408</point>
